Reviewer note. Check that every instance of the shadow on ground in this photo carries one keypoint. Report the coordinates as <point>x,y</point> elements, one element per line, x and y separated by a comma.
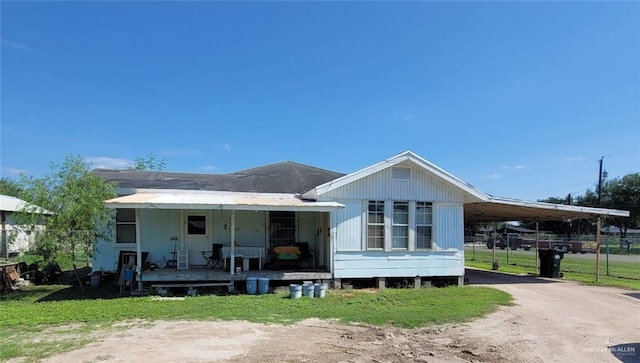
<point>633,294</point>
<point>483,277</point>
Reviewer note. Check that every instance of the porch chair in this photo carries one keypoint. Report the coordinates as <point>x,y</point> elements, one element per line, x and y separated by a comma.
<point>215,259</point>
<point>306,254</point>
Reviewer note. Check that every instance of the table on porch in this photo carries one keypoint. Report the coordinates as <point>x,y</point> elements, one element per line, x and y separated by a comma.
<point>246,253</point>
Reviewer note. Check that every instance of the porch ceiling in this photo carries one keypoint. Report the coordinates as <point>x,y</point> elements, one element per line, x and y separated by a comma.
<point>254,202</point>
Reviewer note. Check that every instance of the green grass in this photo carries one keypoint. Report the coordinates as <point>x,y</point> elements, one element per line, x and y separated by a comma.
<point>621,274</point>
<point>25,315</point>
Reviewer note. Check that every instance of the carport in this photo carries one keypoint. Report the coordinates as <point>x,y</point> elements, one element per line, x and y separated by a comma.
<point>499,209</point>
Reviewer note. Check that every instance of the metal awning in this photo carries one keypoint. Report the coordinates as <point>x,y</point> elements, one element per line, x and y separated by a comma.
<point>497,209</point>
<point>239,201</point>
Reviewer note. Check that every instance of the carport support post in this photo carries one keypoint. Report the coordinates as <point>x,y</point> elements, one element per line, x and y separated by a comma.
<point>598,250</point>
<point>536,257</point>
<point>493,256</point>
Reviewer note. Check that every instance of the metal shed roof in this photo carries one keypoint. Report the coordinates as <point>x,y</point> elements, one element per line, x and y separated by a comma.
<point>13,204</point>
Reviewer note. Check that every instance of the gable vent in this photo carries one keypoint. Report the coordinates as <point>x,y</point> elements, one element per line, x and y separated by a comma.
<point>398,173</point>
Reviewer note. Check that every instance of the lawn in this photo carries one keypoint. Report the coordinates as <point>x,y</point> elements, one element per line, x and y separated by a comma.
<point>621,274</point>
<point>36,313</point>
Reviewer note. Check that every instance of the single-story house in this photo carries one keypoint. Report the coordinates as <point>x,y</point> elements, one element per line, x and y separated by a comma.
<point>17,238</point>
<point>402,217</point>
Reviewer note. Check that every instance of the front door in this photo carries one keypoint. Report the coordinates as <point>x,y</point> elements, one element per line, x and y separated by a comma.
<point>197,236</point>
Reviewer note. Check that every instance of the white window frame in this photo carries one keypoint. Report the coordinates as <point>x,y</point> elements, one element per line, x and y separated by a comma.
<point>429,223</point>
<point>377,204</point>
<point>397,224</point>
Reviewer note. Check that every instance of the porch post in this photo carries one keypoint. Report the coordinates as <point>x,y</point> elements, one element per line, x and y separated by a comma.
<point>138,251</point>
<point>598,226</point>
<point>232,263</point>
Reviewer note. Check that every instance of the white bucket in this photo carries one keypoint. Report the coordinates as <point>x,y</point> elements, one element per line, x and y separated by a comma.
<point>320,290</point>
<point>295,291</point>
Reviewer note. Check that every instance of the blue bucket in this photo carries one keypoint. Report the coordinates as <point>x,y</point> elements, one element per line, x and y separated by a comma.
<point>127,275</point>
<point>308,290</point>
<point>263,285</point>
<point>295,291</point>
<point>252,285</point>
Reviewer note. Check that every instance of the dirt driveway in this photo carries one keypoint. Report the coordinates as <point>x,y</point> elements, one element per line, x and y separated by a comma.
<point>552,321</point>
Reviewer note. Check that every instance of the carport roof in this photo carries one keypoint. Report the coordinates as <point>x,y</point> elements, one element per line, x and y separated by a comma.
<point>498,209</point>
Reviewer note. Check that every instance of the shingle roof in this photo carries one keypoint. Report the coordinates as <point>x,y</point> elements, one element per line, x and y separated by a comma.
<point>286,177</point>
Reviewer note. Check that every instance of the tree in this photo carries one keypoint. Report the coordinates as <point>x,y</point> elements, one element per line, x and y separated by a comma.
<point>148,162</point>
<point>75,196</point>
<point>624,194</point>
<point>10,187</point>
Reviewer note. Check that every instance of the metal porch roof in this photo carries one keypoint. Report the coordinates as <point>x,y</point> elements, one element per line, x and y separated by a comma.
<point>253,202</point>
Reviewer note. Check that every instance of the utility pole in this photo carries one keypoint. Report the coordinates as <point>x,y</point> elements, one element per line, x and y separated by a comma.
<point>569,220</point>
<point>600,180</point>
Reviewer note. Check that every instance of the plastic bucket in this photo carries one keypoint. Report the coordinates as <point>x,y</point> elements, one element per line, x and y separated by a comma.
<point>295,291</point>
<point>252,285</point>
<point>320,290</point>
<point>263,285</point>
<point>307,290</point>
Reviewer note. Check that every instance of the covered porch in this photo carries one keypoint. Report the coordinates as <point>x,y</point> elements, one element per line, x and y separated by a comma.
<point>180,232</point>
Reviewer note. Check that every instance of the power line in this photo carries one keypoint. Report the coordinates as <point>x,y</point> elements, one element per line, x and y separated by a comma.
<point>559,166</point>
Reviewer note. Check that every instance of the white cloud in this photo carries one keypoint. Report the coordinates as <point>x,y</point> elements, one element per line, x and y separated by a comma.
<point>518,167</point>
<point>104,162</point>
<point>495,176</point>
<point>13,171</point>
<point>17,46</point>
<point>226,146</point>
<point>208,168</point>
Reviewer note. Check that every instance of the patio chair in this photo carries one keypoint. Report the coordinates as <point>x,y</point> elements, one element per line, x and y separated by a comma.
<point>214,260</point>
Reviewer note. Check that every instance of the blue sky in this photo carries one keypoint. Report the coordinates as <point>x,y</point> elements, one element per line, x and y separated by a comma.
<point>519,99</point>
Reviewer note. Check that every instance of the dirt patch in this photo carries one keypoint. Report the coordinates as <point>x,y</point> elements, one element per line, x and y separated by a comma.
<point>551,321</point>
<point>308,341</point>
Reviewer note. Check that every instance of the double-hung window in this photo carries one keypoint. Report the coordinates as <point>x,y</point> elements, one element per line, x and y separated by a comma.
<point>400,224</point>
<point>375,225</point>
<point>125,225</point>
<point>424,224</point>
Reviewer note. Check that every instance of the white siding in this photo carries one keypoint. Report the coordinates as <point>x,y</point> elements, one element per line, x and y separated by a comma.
<point>381,264</point>
<point>352,260</point>
<point>348,222</point>
<point>381,186</point>
<point>448,226</point>
<point>158,226</point>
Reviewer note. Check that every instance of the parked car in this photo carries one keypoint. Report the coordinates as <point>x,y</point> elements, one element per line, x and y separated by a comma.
<point>511,240</point>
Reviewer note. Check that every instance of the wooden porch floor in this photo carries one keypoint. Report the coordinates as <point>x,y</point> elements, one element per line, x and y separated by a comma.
<point>172,274</point>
